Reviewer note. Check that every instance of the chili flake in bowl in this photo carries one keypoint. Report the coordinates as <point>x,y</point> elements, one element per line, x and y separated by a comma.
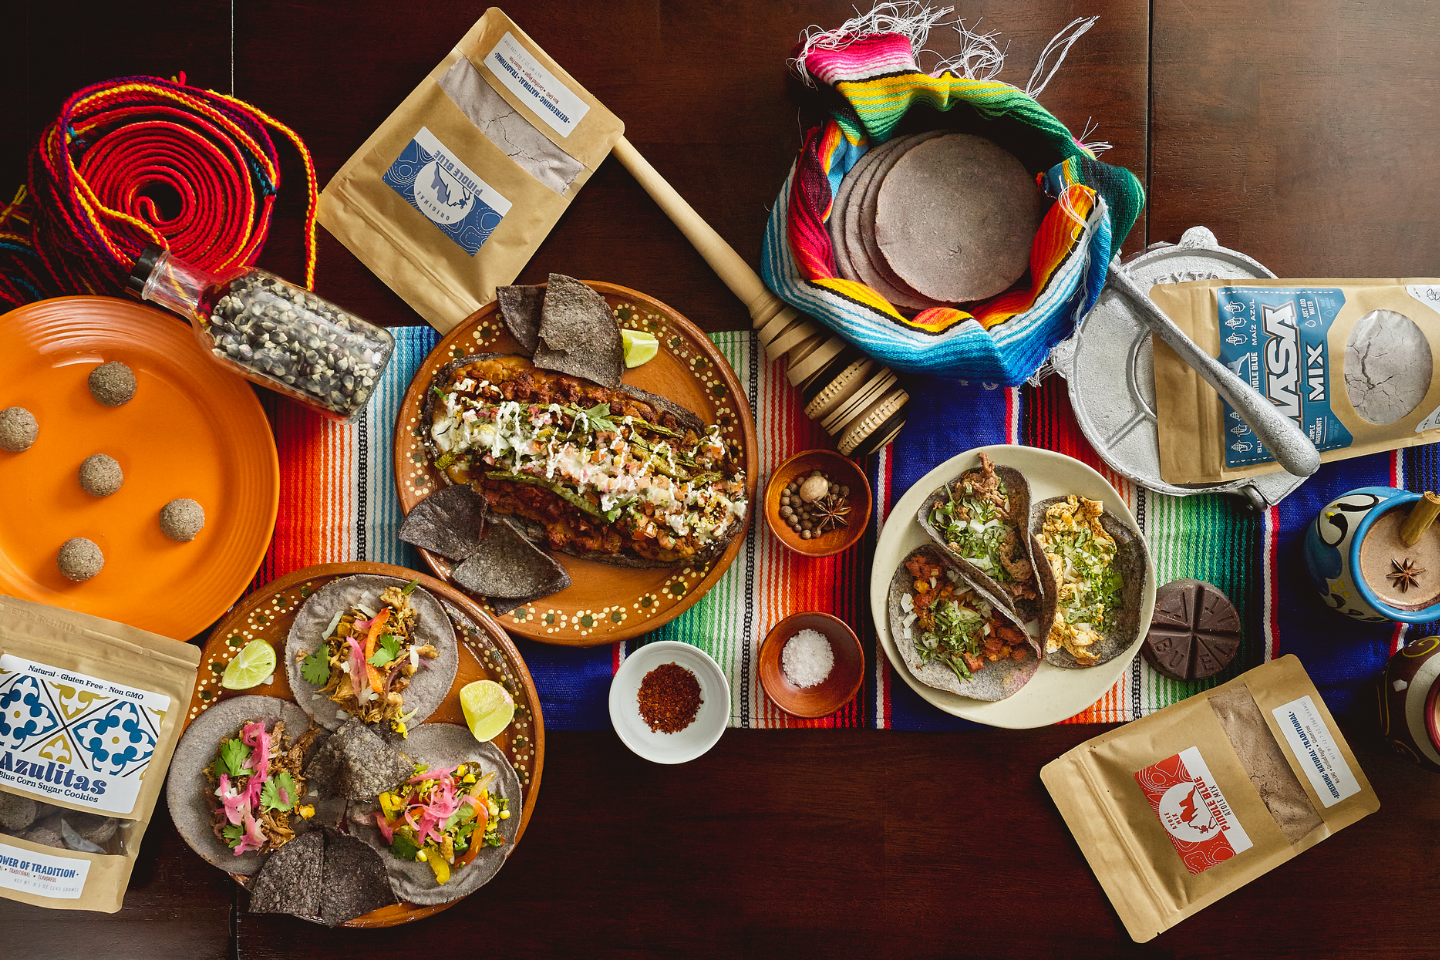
<point>669,702</point>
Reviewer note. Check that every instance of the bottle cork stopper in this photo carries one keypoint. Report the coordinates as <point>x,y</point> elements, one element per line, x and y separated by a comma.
<point>1421,516</point>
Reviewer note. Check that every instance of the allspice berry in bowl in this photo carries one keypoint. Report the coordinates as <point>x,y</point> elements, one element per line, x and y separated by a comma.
<point>818,502</point>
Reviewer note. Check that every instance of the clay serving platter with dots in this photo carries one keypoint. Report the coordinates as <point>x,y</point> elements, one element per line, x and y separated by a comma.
<point>605,603</point>
<point>486,653</point>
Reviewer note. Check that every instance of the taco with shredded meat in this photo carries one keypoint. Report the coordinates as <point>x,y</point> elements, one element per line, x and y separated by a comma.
<point>236,788</point>
<point>981,519</point>
<point>374,648</point>
<point>952,636</point>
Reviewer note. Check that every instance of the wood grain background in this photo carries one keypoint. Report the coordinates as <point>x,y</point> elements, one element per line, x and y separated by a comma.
<point>1299,133</point>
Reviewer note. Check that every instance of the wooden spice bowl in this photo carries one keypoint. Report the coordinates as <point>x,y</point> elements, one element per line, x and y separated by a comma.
<point>836,690</point>
<point>841,470</point>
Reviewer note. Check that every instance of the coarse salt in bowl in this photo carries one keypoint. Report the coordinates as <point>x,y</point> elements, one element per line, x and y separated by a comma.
<point>841,682</point>
<point>710,720</point>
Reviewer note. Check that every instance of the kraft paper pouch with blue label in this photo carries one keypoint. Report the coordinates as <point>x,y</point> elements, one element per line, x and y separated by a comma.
<point>1352,362</point>
<point>90,712</point>
<point>455,191</point>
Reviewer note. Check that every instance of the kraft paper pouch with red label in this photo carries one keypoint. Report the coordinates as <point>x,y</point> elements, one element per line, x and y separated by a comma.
<point>1187,805</point>
<point>460,185</point>
<point>90,712</point>
<point>1352,362</point>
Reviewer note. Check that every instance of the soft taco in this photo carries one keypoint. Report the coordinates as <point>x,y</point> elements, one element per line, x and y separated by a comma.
<point>374,648</point>
<point>981,520</point>
<point>1092,570</point>
<point>615,475</point>
<point>236,788</point>
<point>951,635</point>
<point>447,829</point>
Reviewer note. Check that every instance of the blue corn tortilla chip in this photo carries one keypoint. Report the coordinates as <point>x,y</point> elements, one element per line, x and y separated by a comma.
<point>508,570</point>
<point>353,882</point>
<point>290,880</point>
<point>520,309</point>
<point>449,522</point>
<point>578,333</point>
<point>355,763</point>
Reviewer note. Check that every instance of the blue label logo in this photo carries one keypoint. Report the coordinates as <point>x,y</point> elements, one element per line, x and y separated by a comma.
<point>435,182</point>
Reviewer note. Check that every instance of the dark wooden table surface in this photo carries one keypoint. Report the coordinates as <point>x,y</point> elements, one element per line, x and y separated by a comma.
<point>1300,133</point>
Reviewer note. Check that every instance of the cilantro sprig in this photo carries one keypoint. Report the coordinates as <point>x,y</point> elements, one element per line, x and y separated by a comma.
<point>316,667</point>
<point>388,652</point>
<point>231,758</point>
<point>271,793</point>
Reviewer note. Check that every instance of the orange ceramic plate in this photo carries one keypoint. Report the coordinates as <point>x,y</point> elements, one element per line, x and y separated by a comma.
<point>604,602</point>
<point>192,430</point>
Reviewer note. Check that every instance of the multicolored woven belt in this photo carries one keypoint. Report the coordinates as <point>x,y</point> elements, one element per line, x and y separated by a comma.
<point>138,161</point>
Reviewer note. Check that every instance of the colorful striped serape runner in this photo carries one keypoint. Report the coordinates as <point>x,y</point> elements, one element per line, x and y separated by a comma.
<point>1254,557</point>
<point>338,502</point>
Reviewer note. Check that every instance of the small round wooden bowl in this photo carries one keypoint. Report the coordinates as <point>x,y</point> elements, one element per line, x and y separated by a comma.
<point>836,690</point>
<point>841,470</point>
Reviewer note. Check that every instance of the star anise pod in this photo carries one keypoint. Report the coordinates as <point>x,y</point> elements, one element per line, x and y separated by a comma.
<point>832,512</point>
<point>1403,574</point>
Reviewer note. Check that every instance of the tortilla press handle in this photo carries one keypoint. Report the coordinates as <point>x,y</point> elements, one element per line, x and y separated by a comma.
<point>1281,435</point>
<point>863,413</point>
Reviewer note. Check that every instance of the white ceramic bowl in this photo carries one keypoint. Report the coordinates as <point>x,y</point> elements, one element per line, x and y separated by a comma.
<point>703,731</point>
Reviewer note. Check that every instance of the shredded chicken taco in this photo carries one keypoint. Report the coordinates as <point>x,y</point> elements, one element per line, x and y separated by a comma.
<point>981,519</point>
<point>374,648</point>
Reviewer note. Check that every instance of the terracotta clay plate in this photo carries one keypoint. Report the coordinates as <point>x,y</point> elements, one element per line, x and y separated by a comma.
<point>486,653</point>
<point>192,430</point>
<point>604,603</point>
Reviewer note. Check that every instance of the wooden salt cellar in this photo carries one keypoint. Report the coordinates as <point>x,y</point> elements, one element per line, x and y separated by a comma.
<point>1421,516</point>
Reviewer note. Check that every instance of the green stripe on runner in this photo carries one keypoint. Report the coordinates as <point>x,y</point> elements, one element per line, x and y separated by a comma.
<point>1182,532</point>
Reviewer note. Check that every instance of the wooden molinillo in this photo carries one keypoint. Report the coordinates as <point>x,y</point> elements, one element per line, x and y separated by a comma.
<point>858,401</point>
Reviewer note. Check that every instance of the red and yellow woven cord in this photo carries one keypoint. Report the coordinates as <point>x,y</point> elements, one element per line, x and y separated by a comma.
<point>123,153</point>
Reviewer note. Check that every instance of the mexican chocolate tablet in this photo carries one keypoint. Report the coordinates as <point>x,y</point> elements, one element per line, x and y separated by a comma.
<point>1195,632</point>
<point>955,218</point>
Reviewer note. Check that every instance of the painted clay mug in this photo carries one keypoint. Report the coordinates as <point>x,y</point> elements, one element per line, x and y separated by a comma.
<point>1410,701</point>
<point>1332,554</point>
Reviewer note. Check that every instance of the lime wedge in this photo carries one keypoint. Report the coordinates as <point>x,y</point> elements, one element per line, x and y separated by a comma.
<point>488,708</point>
<point>639,347</point>
<point>251,667</point>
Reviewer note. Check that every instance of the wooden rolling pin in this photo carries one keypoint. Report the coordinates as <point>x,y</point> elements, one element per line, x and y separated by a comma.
<point>856,400</point>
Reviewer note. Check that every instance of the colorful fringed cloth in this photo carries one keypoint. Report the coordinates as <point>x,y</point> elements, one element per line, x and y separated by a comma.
<point>139,161</point>
<point>1006,338</point>
<point>338,502</point>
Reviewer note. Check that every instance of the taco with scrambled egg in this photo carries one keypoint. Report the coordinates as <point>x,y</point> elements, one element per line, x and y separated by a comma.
<point>1092,572</point>
<point>954,637</point>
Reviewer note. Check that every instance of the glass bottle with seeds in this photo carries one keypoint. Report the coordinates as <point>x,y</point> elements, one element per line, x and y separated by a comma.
<point>272,332</point>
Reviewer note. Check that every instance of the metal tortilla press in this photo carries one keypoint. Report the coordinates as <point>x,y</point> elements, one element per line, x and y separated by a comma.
<point>1109,368</point>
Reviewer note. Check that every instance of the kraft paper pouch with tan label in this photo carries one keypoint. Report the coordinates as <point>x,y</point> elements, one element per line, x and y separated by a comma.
<point>1182,807</point>
<point>90,712</point>
<point>451,197</point>
<point>1351,361</point>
